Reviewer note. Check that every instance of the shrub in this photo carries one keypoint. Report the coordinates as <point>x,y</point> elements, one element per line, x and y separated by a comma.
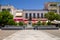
<point>11,22</point>
<point>33,24</point>
<point>49,23</point>
<point>38,23</point>
<point>25,24</point>
<point>21,23</point>
<point>43,23</point>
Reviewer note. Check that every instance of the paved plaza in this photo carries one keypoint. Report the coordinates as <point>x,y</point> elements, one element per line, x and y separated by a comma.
<point>6,33</point>
<point>32,35</point>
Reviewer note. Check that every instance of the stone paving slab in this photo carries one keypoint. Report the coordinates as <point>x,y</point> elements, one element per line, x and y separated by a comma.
<point>6,33</point>
<point>30,35</point>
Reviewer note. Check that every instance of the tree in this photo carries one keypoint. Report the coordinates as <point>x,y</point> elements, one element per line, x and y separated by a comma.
<point>52,16</point>
<point>0,18</point>
<point>57,17</point>
<point>5,17</point>
<point>12,22</point>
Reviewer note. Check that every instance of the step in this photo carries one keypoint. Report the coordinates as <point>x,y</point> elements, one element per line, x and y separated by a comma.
<point>29,27</point>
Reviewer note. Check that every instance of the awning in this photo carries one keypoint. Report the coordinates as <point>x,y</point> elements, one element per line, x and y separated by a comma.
<point>34,19</point>
<point>18,19</point>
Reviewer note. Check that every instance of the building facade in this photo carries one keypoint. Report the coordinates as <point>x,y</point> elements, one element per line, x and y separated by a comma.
<point>53,6</point>
<point>32,15</point>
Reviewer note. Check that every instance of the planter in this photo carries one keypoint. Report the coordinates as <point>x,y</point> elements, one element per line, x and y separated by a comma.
<point>47,27</point>
<point>10,27</point>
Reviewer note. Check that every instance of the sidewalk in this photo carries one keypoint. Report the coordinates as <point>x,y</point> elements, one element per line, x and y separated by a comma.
<point>30,35</point>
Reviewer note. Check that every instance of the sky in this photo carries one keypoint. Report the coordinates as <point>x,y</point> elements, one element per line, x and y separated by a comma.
<point>27,4</point>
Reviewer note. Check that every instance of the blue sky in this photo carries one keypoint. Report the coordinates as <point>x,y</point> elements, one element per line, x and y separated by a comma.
<point>27,4</point>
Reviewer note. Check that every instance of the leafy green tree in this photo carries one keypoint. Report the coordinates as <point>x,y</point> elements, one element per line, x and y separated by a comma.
<point>52,16</point>
<point>12,22</point>
<point>57,17</point>
<point>5,17</point>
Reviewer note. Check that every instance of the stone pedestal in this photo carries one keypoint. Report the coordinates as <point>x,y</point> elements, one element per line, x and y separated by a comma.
<point>29,24</point>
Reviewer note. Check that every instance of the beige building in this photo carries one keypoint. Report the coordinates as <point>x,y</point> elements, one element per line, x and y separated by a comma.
<point>7,7</point>
<point>53,6</point>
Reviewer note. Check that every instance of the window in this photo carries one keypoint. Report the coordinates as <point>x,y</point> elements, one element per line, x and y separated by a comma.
<point>30,16</point>
<point>6,9</point>
<point>54,11</point>
<point>41,15</point>
<point>34,16</point>
<point>18,14</point>
<point>26,15</point>
<point>38,15</point>
<point>3,9</point>
<point>9,9</point>
<point>53,4</point>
